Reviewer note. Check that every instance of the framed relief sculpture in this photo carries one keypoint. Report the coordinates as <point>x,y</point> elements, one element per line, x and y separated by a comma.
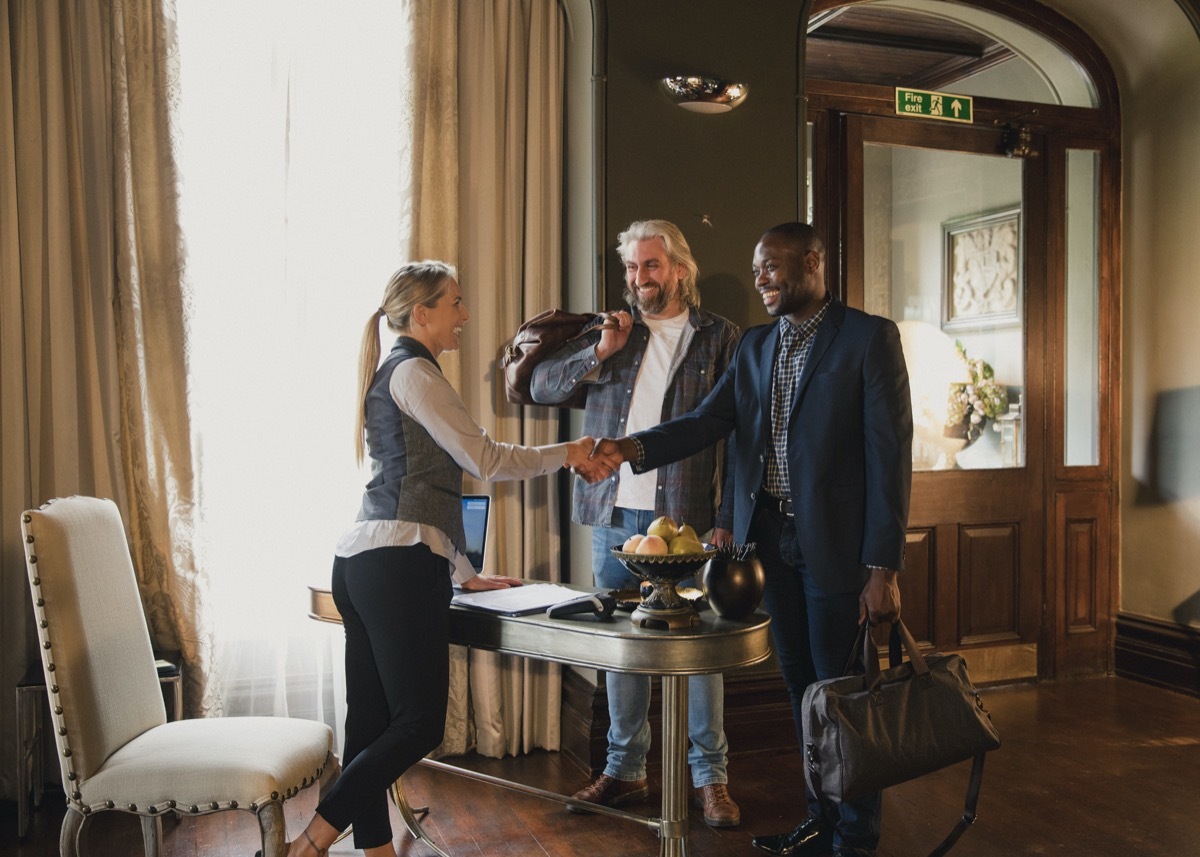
<point>983,275</point>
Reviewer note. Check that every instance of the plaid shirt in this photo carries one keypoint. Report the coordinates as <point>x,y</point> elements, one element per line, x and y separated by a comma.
<point>685,490</point>
<point>795,342</point>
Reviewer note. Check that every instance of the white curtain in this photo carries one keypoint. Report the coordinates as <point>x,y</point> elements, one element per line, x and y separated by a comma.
<point>294,206</point>
<point>318,152</point>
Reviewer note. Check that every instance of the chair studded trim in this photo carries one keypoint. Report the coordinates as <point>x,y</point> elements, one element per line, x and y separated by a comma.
<point>44,631</point>
<point>117,752</point>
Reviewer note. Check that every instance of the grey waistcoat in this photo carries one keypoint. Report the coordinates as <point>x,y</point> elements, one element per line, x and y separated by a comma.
<point>412,478</point>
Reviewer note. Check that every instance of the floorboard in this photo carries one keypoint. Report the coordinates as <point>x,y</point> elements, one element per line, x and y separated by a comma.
<point>1102,768</point>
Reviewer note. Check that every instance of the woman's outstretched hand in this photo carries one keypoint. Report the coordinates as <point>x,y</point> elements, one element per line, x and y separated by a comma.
<point>613,452</point>
<point>590,470</point>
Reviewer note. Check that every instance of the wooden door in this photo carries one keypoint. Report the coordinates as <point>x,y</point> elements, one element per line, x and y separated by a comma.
<point>945,234</point>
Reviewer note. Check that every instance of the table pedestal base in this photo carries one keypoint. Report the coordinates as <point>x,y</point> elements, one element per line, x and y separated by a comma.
<point>672,828</point>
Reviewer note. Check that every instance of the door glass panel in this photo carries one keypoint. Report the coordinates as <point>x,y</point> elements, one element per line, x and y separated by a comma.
<point>1081,404</point>
<point>808,174</point>
<point>943,258</point>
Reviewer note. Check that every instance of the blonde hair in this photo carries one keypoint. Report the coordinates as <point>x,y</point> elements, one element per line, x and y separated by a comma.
<point>677,249</point>
<point>414,284</point>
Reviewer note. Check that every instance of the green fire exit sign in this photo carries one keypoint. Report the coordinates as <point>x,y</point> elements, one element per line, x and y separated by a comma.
<point>934,105</point>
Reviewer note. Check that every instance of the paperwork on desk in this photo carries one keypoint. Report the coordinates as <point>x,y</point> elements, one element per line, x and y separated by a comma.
<point>517,600</point>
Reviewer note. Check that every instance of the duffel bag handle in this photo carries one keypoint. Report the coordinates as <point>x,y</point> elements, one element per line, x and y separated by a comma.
<point>898,637</point>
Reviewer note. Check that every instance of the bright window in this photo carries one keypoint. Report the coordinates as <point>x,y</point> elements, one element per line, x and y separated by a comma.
<point>293,124</point>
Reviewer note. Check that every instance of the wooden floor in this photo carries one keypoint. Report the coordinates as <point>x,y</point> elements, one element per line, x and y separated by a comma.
<point>1102,768</point>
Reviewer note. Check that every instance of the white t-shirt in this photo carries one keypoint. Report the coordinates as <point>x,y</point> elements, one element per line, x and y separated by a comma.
<point>637,491</point>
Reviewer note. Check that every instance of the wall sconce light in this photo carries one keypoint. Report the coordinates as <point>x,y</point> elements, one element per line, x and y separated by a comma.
<point>704,94</point>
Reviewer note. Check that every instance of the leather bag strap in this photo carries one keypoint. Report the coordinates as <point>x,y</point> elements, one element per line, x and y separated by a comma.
<point>604,325</point>
<point>968,817</point>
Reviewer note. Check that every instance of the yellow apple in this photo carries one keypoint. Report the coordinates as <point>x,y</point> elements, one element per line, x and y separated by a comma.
<point>652,545</point>
<point>665,528</point>
<point>631,543</point>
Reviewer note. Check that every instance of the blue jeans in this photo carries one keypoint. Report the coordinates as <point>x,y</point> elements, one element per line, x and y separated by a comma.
<point>813,632</point>
<point>629,695</point>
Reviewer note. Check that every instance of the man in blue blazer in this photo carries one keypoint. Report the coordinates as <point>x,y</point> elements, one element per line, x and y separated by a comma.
<point>817,408</point>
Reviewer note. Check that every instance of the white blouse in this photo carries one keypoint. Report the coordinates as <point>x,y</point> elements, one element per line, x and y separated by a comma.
<point>421,391</point>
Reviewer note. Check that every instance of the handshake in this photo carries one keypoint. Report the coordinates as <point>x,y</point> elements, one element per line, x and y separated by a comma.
<point>594,459</point>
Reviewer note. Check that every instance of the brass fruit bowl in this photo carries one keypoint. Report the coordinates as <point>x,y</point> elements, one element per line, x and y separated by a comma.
<point>664,607</point>
<point>663,566</point>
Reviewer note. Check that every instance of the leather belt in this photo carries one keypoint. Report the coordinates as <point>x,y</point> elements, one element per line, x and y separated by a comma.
<point>780,505</point>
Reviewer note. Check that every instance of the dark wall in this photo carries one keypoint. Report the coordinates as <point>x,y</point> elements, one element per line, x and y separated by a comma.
<point>661,161</point>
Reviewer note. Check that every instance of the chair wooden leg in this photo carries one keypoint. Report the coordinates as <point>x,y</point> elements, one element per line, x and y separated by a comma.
<point>151,835</point>
<point>71,834</point>
<point>274,829</point>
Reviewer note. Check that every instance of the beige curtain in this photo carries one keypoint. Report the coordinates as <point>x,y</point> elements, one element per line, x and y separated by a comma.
<point>92,363</point>
<point>487,194</point>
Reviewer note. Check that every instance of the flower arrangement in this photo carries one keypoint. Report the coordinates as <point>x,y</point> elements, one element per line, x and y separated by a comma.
<point>975,401</point>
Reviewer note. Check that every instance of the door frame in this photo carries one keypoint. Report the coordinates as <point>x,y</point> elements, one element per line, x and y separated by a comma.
<point>1078,554</point>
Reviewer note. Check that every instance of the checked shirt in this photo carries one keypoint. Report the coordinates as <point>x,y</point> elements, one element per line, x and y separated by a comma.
<point>795,343</point>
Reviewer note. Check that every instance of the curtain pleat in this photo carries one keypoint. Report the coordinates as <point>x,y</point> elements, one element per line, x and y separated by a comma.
<point>152,341</point>
<point>510,162</point>
<point>487,184</point>
<point>82,283</point>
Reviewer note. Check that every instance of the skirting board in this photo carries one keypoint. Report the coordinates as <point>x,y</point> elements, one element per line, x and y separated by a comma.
<point>1159,653</point>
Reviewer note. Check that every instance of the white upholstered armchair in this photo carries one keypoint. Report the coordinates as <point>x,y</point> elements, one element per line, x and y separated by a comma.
<point>115,747</point>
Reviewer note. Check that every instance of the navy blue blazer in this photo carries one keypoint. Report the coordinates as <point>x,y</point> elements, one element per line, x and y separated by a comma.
<point>849,442</point>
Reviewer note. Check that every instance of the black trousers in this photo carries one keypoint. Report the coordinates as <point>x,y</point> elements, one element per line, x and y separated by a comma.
<point>814,633</point>
<point>395,605</point>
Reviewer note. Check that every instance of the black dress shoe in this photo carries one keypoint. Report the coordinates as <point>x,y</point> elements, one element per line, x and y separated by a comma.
<point>809,839</point>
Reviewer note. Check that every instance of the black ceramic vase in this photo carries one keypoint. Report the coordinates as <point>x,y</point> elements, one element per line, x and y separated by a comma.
<point>733,582</point>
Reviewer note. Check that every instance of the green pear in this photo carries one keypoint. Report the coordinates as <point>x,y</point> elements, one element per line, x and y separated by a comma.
<point>686,530</point>
<point>682,546</point>
<point>665,528</point>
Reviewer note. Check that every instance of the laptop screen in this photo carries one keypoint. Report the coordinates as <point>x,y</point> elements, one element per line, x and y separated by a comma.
<point>476,509</point>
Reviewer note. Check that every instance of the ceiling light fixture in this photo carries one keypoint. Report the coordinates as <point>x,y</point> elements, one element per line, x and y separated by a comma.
<point>704,94</point>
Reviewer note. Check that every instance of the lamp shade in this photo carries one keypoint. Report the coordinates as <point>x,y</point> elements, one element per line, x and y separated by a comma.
<point>704,94</point>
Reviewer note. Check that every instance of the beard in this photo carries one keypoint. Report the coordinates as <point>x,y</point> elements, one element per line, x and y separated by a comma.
<point>651,305</point>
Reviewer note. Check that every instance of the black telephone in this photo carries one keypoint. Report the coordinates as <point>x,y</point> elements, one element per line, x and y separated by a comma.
<point>600,604</point>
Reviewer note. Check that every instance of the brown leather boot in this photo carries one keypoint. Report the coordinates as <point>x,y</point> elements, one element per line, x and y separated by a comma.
<point>607,791</point>
<point>719,808</point>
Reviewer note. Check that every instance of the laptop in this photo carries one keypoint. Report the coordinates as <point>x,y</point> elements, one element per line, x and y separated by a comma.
<point>476,512</point>
<point>519,601</point>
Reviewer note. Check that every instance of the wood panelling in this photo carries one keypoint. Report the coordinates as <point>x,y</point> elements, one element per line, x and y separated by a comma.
<point>988,582</point>
<point>1080,541</point>
<point>917,586</point>
<point>1082,573</point>
<point>584,721</point>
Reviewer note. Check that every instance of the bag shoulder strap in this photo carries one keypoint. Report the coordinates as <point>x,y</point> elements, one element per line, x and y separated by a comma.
<point>968,817</point>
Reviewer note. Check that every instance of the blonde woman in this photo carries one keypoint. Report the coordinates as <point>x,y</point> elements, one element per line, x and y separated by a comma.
<point>394,568</point>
